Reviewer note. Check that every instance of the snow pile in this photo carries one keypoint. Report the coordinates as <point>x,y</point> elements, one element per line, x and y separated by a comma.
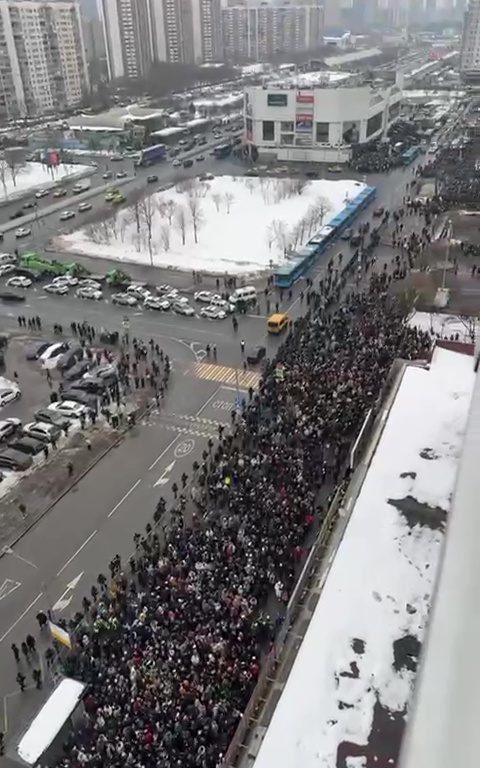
<point>348,693</point>
<point>32,176</point>
<point>446,326</point>
<point>231,224</point>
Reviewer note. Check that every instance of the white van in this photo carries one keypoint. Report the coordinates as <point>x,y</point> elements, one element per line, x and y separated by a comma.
<point>7,258</point>
<point>247,293</point>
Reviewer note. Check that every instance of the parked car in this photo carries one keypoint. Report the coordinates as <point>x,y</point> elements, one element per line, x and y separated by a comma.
<point>70,358</point>
<point>200,158</point>
<point>28,445</point>
<point>79,397</point>
<point>54,350</point>
<point>177,163</point>
<point>107,175</point>
<point>35,351</point>
<point>182,300</point>
<point>213,313</point>
<point>9,427</point>
<point>11,297</point>
<point>60,289</point>
<point>18,281</point>
<point>6,269</point>
<point>77,370</point>
<point>183,309</point>
<point>334,168</point>
<point>203,296</point>
<point>88,293</point>
<point>121,175</point>
<point>65,280</point>
<point>84,207</point>
<point>42,193</point>
<point>124,299</point>
<point>255,355</point>
<point>152,302</point>
<point>16,460</point>
<point>139,291</point>
<point>23,232</point>
<point>60,193</point>
<point>8,395</point>
<point>48,416</point>
<point>108,372</point>
<point>87,282</point>
<point>68,408</point>
<point>96,386</point>
<point>187,163</point>
<point>164,289</point>
<point>152,178</point>
<point>66,215</point>
<point>42,431</point>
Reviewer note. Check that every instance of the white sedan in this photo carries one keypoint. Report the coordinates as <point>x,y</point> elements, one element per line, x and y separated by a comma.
<point>88,293</point>
<point>204,296</point>
<point>23,232</point>
<point>8,395</point>
<point>139,291</point>
<point>183,309</point>
<point>59,288</point>
<point>68,408</point>
<point>85,207</point>
<point>87,282</point>
<point>42,193</point>
<point>65,280</point>
<point>19,281</point>
<point>153,303</point>
<point>66,215</point>
<point>125,299</point>
<point>5,269</point>
<point>213,313</point>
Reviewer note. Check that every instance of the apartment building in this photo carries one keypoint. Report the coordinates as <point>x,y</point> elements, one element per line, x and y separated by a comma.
<point>127,29</point>
<point>42,57</point>
<point>470,54</point>
<point>259,31</point>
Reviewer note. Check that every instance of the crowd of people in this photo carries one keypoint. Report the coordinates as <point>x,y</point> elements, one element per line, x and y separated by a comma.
<point>172,644</point>
<point>456,172</point>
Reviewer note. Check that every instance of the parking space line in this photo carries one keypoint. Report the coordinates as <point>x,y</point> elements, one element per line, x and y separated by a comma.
<point>124,497</point>
<point>77,552</point>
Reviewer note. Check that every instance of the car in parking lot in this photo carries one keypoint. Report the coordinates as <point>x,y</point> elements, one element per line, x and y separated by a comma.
<point>153,302</point>
<point>139,291</point>
<point>66,215</point>
<point>34,351</point>
<point>23,232</point>
<point>88,293</point>
<point>96,386</point>
<point>205,297</point>
<point>6,269</point>
<point>256,354</point>
<point>107,175</point>
<point>121,175</point>
<point>9,427</point>
<point>48,416</point>
<point>220,303</point>
<point>28,445</point>
<point>40,430</point>
<point>16,460</point>
<point>84,207</point>
<point>18,281</point>
<point>108,372</point>
<point>334,168</point>
<point>213,313</point>
<point>77,370</point>
<point>80,397</point>
<point>8,395</point>
<point>41,193</point>
<point>152,178</point>
<point>69,358</point>
<point>164,289</point>
<point>87,282</point>
<point>177,163</point>
<point>65,280</point>
<point>183,309</point>
<point>200,158</point>
<point>69,408</point>
<point>59,288</point>
<point>124,299</point>
<point>54,350</point>
<point>60,193</point>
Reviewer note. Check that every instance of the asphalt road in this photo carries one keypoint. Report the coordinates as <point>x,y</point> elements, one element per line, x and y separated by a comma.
<point>74,542</point>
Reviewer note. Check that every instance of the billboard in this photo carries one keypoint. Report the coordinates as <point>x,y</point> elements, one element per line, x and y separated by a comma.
<point>303,123</point>
<point>304,97</point>
<point>277,99</point>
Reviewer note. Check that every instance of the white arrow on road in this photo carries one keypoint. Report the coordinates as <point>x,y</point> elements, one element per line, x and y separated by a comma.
<point>162,480</point>
<point>63,601</point>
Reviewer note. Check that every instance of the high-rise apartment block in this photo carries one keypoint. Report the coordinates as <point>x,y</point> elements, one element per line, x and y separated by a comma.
<point>259,31</point>
<point>470,55</point>
<point>42,57</point>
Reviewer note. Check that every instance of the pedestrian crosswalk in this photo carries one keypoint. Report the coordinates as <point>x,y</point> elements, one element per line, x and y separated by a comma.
<point>225,374</point>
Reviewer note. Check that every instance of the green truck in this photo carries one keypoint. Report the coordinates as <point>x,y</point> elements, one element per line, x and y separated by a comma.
<point>41,266</point>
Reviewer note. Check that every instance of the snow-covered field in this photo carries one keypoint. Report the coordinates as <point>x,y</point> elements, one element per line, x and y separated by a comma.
<point>231,224</point>
<point>345,701</point>
<point>446,326</point>
<point>32,176</point>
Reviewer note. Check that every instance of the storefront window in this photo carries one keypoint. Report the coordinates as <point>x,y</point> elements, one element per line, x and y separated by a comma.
<point>268,130</point>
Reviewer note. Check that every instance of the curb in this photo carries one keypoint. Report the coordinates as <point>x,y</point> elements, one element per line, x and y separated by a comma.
<point>72,485</point>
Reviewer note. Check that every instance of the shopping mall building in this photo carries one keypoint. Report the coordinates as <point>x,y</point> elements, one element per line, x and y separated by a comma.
<point>317,124</point>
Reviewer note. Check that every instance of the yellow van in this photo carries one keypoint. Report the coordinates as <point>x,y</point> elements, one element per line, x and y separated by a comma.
<point>277,322</point>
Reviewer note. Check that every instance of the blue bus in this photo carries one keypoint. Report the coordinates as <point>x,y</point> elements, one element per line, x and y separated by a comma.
<point>409,155</point>
<point>151,155</point>
<point>223,150</point>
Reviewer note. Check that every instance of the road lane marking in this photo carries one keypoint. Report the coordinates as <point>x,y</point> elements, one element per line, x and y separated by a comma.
<point>207,402</point>
<point>226,374</point>
<point>77,552</point>
<point>163,453</point>
<point>8,587</point>
<point>27,609</point>
<point>124,497</point>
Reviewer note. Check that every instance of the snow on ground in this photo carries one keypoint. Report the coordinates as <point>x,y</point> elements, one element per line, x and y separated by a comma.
<point>32,176</point>
<point>244,224</point>
<point>445,326</point>
<point>352,680</point>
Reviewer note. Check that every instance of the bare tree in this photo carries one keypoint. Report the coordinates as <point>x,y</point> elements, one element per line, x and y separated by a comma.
<point>197,215</point>
<point>170,207</point>
<point>229,200</point>
<point>146,208</point>
<point>250,185</point>
<point>3,174</point>
<point>217,199</point>
<point>181,221</point>
<point>162,209</point>
<point>165,236</point>
<point>13,167</point>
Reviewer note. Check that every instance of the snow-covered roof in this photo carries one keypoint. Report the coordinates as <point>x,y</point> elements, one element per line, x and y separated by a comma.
<point>51,718</point>
<point>346,58</point>
<point>445,326</point>
<point>220,101</point>
<point>351,683</point>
